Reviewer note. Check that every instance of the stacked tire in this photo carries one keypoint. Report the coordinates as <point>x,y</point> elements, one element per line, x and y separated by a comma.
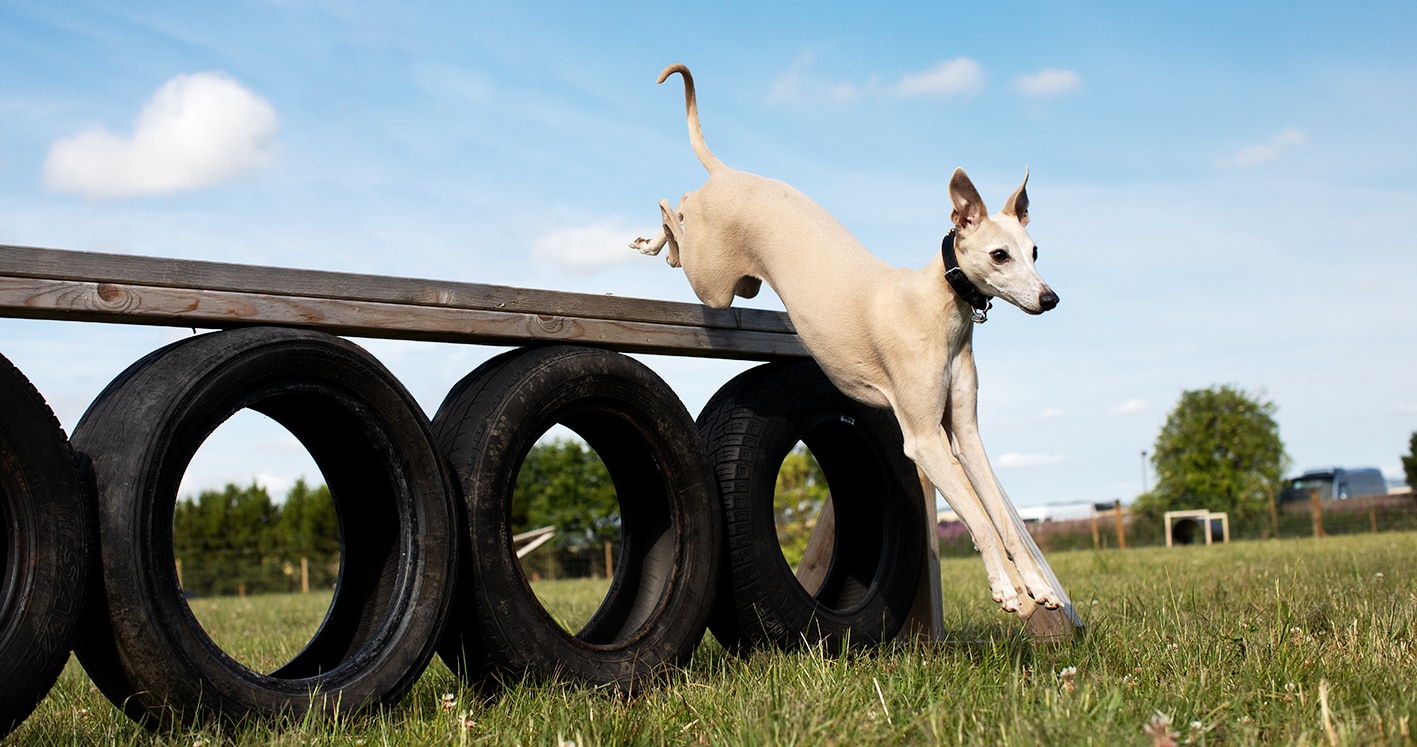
<point>46,531</point>
<point>656,610</point>
<point>142,645</point>
<point>425,518</point>
<point>424,525</point>
<point>870,581</point>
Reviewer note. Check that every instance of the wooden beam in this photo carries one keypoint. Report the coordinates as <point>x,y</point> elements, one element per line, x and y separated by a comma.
<point>94,267</point>
<point>817,556</point>
<point>81,286</point>
<point>926,621</point>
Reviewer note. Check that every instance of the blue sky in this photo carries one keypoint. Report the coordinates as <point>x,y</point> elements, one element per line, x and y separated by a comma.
<point>1221,192</point>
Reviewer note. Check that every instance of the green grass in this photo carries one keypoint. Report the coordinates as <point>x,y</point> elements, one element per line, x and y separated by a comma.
<point>262,632</point>
<point>1240,644</point>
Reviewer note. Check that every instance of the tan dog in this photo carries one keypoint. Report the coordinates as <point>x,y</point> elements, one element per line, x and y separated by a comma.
<point>887,337</point>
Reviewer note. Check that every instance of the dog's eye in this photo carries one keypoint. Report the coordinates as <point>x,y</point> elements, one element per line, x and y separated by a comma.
<point>999,256</point>
<point>1035,254</point>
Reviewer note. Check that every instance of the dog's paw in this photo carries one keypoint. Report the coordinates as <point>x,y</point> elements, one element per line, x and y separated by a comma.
<point>646,246</point>
<point>1047,600</point>
<point>1042,592</point>
<point>1007,598</point>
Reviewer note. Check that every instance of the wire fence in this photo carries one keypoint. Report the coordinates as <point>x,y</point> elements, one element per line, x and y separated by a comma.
<point>249,572</point>
<point>242,572</point>
<point>1371,514</point>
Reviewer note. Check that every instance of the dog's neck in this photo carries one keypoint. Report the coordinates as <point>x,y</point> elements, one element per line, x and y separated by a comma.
<point>961,283</point>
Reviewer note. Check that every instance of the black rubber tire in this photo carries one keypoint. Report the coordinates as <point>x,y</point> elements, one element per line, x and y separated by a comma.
<point>655,613</point>
<point>45,536</point>
<point>748,428</point>
<point>398,535</point>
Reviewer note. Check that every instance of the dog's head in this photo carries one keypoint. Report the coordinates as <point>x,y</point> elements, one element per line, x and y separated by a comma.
<point>995,251</point>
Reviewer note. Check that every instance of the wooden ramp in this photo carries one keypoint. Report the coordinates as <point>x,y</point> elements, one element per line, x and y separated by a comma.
<point>121,289</point>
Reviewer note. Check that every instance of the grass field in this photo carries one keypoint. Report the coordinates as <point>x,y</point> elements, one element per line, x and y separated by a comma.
<point>1288,642</point>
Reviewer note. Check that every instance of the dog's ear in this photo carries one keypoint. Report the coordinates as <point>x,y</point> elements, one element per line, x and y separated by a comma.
<point>969,209</point>
<point>1017,206</point>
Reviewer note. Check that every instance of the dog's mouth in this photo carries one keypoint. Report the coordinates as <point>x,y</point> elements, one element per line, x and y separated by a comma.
<point>1047,301</point>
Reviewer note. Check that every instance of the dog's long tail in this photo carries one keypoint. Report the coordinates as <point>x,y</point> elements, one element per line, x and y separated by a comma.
<point>691,106</point>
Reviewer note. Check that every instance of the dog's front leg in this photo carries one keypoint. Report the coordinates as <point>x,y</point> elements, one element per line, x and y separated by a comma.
<point>961,420</point>
<point>927,444</point>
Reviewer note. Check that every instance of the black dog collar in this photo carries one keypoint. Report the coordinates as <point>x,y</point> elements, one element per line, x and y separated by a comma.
<point>961,283</point>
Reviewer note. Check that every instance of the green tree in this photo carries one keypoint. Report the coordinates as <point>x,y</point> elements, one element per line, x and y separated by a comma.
<point>1219,450</point>
<point>564,484</point>
<point>1409,463</point>
<point>798,497</point>
<point>308,525</point>
<point>308,530</point>
<point>224,538</point>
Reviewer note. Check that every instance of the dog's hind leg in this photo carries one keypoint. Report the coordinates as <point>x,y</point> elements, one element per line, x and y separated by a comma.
<point>651,246</point>
<point>671,232</point>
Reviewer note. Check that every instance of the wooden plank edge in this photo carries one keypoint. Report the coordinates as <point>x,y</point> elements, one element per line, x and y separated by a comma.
<point>131,304</point>
<point>97,267</point>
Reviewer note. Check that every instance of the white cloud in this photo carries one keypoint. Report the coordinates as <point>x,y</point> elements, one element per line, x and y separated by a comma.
<point>1048,83</point>
<point>788,86</point>
<point>588,248</point>
<point>959,76</point>
<point>197,130</point>
<point>844,93</point>
<point>1049,413</point>
<point>1130,407</point>
<point>1015,459</point>
<point>1268,151</point>
<point>276,485</point>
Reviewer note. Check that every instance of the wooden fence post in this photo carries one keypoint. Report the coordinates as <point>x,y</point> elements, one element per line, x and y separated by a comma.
<point>1273,511</point>
<point>1317,512</point>
<point>304,574</point>
<point>1121,531</point>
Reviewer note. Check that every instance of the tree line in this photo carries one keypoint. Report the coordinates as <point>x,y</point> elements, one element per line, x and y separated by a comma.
<point>240,540</point>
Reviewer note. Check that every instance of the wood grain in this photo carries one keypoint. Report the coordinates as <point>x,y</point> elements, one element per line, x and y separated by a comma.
<point>59,264</point>
<point>90,287</point>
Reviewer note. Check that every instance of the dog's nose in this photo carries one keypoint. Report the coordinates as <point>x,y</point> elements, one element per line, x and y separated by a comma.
<point>1048,299</point>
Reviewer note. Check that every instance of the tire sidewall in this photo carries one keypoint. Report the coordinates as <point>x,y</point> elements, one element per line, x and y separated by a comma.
<point>48,531</point>
<point>748,428</point>
<point>594,393</point>
<point>156,660</point>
